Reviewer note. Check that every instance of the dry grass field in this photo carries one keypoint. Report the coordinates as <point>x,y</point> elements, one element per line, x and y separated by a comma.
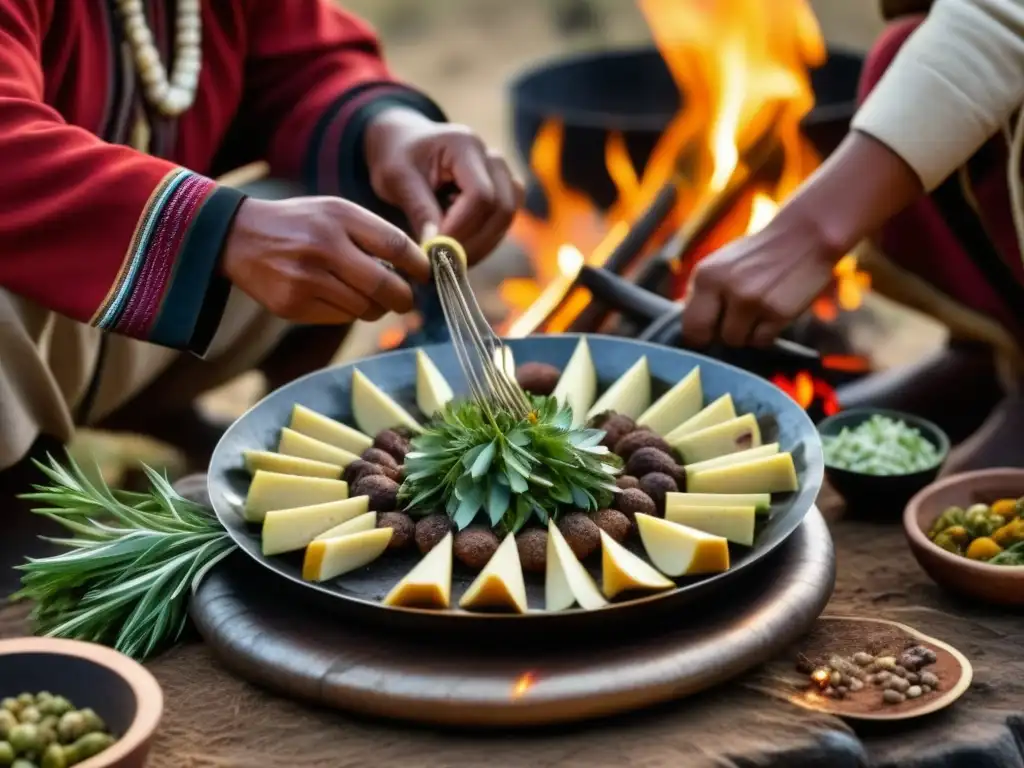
<point>464,52</point>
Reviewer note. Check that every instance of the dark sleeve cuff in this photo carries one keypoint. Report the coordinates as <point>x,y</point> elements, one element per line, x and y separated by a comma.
<point>336,163</point>
<point>195,300</point>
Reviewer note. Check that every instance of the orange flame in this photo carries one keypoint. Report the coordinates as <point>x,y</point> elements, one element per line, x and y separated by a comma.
<point>742,68</point>
<point>523,684</point>
<point>807,389</point>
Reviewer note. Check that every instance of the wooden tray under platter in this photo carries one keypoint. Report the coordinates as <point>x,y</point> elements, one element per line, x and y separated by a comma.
<point>259,627</point>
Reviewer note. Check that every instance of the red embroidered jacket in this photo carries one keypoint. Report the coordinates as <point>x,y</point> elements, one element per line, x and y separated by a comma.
<point>130,242</point>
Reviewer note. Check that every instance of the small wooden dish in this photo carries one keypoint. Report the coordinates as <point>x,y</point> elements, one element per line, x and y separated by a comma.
<point>954,686</point>
<point>1001,584</point>
<point>121,691</point>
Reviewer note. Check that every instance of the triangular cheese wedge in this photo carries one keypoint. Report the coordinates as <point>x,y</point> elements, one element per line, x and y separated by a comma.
<point>739,434</point>
<point>364,522</point>
<point>500,584</point>
<point>720,410</point>
<point>681,551</point>
<point>429,584</point>
<point>328,558</point>
<point>680,403</point>
<point>294,443</point>
<point>577,386</point>
<point>290,465</point>
<point>285,530</point>
<point>327,430</point>
<point>737,524</point>
<point>566,581</point>
<point>433,391</point>
<point>374,410</point>
<point>630,395</point>
<point>622,571</point>
<point>771,474</point>
<point>272,490</point>
<point>739,457</point>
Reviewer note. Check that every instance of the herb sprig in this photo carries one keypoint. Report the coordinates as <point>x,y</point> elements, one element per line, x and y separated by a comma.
<point>469,461</point>
<point>131,561</point>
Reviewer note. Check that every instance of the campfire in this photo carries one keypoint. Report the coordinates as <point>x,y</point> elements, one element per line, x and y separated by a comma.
<point>718,167</point>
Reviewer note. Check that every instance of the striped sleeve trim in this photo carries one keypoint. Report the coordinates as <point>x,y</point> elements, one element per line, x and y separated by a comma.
<point>335,155</point>
<point>165,288</point>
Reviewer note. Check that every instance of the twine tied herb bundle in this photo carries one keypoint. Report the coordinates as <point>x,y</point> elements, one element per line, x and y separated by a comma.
<point>132,560</point>
<point>472,460</point>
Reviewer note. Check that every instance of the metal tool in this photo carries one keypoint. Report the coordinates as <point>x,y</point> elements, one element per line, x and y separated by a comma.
<point>480,351</point>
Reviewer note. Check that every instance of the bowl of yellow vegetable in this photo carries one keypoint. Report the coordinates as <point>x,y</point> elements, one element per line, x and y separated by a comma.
<point>967,532</point>
<point>877,459</point>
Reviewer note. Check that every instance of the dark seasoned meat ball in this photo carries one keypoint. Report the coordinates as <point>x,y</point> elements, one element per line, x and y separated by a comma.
<point>403,432</point>
<point>640,438</point>
<point>431,529</point>
<point>533,549</point>
<point>615,426</point>
<point>381,457</point>
<point>538,378</point>
<point>383,492</point>
<point>647,460</point>
<point>475,546</point>
<point>656,485</point>
<point>402,525</point>
<point>581,534</point>
<point>613,522</point>
<point>359,469</point>
<point>627,481</point>
<point>392,444</point>
<point>632,501</point>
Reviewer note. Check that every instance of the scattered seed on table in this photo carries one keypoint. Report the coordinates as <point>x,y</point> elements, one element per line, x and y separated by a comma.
<point>899,670</point>
<point>893,697</point>
<point>847,679</point>
<point>929,679</point>
<point>830,692</point>
<point>926,689</point>
<point>856,685</point>
<point>836,679</point>
<point>914,691</point>
<point>913,678</point>
<point>898,684</point>
<point>880,678</point>
<point>885,662</point>
<point>862,658</point>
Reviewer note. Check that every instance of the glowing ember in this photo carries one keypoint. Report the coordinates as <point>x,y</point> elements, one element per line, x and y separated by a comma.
<point>807,389</point>
<point>523,684</point>
<point>821,677</point>
<point>742,68</point>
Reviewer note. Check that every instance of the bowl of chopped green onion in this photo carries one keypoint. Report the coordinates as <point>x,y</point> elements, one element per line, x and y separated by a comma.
<point>878,459</point>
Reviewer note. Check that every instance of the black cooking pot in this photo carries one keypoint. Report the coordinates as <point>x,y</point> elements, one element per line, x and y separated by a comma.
<point>631,91</point>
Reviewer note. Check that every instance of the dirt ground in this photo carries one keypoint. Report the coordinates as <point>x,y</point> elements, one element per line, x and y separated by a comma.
<point>464,52</point>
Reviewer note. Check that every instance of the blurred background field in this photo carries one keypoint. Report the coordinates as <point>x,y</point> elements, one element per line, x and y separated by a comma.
<point>464,53</point>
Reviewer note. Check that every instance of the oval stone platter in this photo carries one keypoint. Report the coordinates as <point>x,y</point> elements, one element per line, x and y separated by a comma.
<point>358,594</point>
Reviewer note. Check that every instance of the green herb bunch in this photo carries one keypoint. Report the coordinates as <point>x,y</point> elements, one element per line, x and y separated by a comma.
<point>131,562</point>
<point>472,460</point>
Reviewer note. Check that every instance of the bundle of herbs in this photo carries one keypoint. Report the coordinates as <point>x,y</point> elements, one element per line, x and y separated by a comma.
<point>131,561</point>
<point>473,460</point>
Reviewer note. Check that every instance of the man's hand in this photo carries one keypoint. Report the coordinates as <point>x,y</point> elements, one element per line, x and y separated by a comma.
<point>318,260</point>
<point>410,157</point>
<point>748,292</point>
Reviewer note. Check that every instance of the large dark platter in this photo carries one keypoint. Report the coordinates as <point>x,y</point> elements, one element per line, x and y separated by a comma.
<point>358,593</point>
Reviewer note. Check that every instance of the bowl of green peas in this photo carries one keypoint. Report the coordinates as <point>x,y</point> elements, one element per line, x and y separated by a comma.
<point>67,703</point>
<point>878,459</point>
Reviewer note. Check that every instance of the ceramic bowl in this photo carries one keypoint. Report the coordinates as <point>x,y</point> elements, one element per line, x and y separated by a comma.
<point>868,493</point>
<point>121,691</point>
<point>1001,584</point>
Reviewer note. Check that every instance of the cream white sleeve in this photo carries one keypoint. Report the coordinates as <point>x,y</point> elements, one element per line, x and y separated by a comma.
<point>952,86</point>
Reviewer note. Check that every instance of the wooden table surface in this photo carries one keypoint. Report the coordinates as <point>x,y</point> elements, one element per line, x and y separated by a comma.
<point>214,720</point>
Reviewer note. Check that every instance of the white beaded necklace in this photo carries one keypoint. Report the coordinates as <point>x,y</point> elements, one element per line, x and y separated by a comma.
<point>174,96</point>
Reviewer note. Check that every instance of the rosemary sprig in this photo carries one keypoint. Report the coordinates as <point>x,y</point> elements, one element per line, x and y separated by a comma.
<point>131,560</point>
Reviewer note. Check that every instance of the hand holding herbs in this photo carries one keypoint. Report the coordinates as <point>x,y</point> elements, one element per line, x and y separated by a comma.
<point>46,731</point>
<point>132,560</point>
<point>992,533</point>
<point>880,446</point>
